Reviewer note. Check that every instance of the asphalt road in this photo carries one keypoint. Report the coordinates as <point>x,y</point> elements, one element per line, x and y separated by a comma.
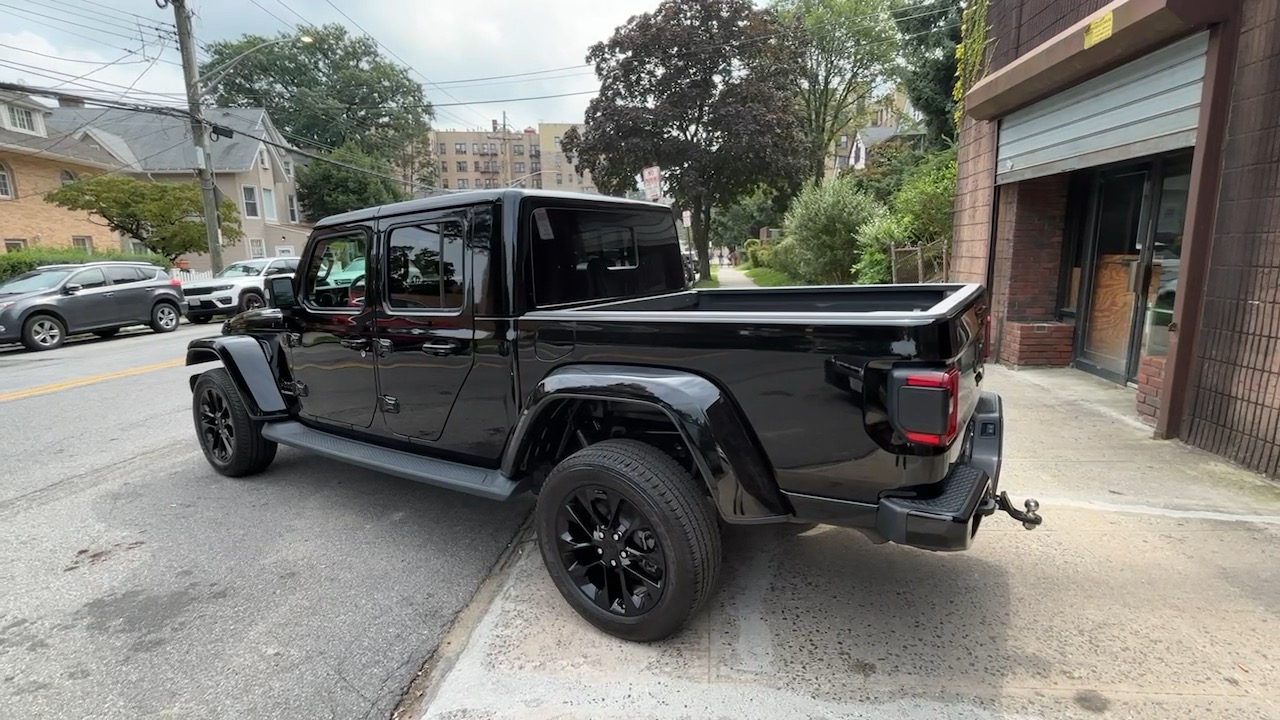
<point>135,582</point>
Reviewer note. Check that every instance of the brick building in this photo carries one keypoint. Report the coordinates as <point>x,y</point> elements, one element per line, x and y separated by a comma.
<point>1119,192</point>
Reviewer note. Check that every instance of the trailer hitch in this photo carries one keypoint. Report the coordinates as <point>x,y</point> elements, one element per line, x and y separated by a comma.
<point>1029,518</point>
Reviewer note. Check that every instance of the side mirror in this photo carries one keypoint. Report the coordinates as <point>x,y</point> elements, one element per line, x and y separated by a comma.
<point>273,271</point>
<point>71,288</point>
<point>280,288</point>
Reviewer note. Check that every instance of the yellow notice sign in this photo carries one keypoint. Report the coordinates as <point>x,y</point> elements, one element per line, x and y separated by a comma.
<point>1099,29</point>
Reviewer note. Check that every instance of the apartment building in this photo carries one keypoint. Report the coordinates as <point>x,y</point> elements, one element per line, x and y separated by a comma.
<point>499,157</point>
<point>1119,193</point>
<point>558,172</point>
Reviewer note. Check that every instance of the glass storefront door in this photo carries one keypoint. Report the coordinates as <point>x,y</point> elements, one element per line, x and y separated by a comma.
<point>1136,216</point>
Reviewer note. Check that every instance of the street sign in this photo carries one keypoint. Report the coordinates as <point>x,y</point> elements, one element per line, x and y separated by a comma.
<point>688,218</point>
<point>652,182</point>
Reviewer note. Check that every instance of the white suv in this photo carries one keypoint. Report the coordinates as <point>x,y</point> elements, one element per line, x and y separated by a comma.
<point>240,286</point>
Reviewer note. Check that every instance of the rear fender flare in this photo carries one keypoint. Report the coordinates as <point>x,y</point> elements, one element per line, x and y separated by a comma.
<point>250,363</point>
<point>736,472</point>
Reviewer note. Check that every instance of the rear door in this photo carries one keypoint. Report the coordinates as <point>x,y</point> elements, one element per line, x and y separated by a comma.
<point>131,296</point>
<point>424,333</point>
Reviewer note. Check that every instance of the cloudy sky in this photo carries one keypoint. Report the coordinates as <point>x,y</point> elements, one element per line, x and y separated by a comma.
<point>114,46</point>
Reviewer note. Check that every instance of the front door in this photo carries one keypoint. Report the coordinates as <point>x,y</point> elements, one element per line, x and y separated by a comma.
<point>331,334</point>
<point>424,332</point>
<point>89,306</point>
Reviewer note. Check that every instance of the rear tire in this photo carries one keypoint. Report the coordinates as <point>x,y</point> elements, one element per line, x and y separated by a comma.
<point>165,317</point>
<point>43,332</point>
<point>231,441</point>
<point>629,539</point>
<point>251,300</point>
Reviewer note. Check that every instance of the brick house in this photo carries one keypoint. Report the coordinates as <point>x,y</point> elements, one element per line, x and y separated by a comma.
<point>1119,192</point>
<point>35,159</point>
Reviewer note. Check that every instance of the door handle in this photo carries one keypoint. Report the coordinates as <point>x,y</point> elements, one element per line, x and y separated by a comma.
<point>361,344</point>
<point>108,294</point>
<point>439,349</point>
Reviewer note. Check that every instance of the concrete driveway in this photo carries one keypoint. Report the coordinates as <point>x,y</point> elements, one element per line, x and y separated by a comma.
<point>1151,591</point>
<point>135,582</point>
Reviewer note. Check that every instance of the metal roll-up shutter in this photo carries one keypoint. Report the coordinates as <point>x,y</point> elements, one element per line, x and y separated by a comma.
<point>1150,105</point>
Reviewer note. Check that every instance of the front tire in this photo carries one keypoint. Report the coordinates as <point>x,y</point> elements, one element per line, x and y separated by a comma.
<point>231,441</point>
<point>164,317</point>
<point>629,539</point>
<point>43,332</point>
<point>251,300</point>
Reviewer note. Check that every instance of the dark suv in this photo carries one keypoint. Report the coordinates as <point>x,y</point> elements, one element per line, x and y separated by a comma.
<point>42,307</point>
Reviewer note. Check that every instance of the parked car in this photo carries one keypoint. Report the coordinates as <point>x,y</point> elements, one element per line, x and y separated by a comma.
<point>237,287</point>
<point>43,307</point>
<point>641,413</point>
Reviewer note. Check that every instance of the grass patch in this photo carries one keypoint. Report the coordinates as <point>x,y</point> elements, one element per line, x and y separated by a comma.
<point>744,266</point>
<point>770,277</point>
<point>710,282</point>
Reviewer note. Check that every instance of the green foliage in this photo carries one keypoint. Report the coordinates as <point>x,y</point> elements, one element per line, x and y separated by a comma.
<point>823,223</point>
<point>849,46</point>
<point>884,229</point>
<point>680,87</point>
<point>771,277</point>
<point>787,257</point>
<point>334,90</point>
<point>887,167</point>
<point>165,217</point>
<point>325,188</point>
<point>971,53</point>
<point>926,200</point>
<point>745,216</point>
<point>708,281</point>
<point>16,263</point>
<point>752,249</point>
<point>930,35</point>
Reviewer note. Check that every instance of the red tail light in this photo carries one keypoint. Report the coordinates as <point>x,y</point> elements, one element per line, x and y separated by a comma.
<point>175,282</point>
<point>948,380</point>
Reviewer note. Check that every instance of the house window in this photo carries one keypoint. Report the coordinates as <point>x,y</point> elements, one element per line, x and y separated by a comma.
<point>444,148</point>
<point>257,248</point>
<point>22,120</point>
<point>82,242</point>
<point>288,168</point>
<point>519,167</point>
<point>844,140</point>
<point>462,183</point>
<point>444,184</point>
<point>517,149</point>
<point>535,167</point>
<point>537,183</point>
<point>444,166</point>
<point>461,166</point>
<point>293,208</point>
<point>250,194</point>
<point>269,202</point>
<point>559,179</point>
<point>460,148</point>
<point>262,160</point>
<point>7,189</point>
<point>66,177</point>
<point>557,141</point>
<point>475,148</point>
<point>14,245</point>
<point>477,166</point>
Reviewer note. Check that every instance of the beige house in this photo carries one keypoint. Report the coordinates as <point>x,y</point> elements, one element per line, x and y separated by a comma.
<point>260,178</point>
<point>499,157</point>
<point>35,158</point>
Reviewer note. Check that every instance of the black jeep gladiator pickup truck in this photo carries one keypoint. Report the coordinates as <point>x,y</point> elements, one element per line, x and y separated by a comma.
<point>504,341</point>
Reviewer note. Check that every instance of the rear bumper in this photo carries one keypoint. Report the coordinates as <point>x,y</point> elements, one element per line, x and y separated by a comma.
<point>941,516</point>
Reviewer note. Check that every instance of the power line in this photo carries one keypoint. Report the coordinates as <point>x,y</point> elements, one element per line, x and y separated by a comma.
<point>43,73</point>
<point>264,9</point>
<point>285,5</point>
<point>102,42</point>
<point>71,60</point>
<point>136,19</point>
<point>131,15</point>
<point>140,32</point>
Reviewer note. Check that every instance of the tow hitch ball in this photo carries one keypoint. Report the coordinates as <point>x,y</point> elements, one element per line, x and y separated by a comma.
<point>1029,518</point>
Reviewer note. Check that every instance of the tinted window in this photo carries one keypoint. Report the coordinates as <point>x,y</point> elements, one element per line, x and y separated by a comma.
<point>335,272</point>
<point>89,278</point>
<point>598,254</point>
<point>121,274</point>
<point>424,266</point>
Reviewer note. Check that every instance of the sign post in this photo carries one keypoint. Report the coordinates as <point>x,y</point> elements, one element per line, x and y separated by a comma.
<point>653,183</point>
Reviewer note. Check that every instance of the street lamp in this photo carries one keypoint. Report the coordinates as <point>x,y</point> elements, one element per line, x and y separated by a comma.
<point>209,77</point>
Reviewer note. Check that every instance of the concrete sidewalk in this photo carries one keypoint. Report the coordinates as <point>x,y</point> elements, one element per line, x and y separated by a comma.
<point>1151,591</point>
<point>733,278</point>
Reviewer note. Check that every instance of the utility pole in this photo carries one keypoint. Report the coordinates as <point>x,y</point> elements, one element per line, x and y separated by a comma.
<point>191,73</point>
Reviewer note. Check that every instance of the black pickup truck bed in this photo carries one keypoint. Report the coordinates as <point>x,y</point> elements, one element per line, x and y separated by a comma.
<point>932,299</point>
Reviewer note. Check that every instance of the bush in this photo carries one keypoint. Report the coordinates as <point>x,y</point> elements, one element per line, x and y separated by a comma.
<point>752,248</point>
<point>823,223</point>
<point>926,200</point>
<point>787,257</point>
<point>16,263</point>
<point>874,238</point>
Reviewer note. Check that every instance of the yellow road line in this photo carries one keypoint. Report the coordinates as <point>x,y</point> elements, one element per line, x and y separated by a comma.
<point>88,380</point>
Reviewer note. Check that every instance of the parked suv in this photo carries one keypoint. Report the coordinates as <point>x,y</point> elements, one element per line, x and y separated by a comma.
<point>42,307</point>
<point>238,287</point>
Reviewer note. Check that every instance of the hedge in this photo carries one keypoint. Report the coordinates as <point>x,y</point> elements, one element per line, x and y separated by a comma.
<point>16,263</point>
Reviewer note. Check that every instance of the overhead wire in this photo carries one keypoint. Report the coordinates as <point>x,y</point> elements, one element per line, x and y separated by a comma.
<point>134,33</point>
<point>126,14</point>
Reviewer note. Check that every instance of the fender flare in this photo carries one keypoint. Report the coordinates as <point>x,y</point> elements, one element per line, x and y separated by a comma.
<point>249,362</point>
<point>738,476</point>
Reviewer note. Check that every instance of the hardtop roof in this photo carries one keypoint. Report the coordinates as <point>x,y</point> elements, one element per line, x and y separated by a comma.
<point>475,197</point>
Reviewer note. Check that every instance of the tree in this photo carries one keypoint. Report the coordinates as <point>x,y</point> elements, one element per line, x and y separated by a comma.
<point>702,89</point>
<point>165,217</point>
<point>824,222</point>
<point>348,179</point>
<point>848,47</point>
<point>888,165</point>
<point>330,91</point>
<point>744,217</point>
<point>930,32</point>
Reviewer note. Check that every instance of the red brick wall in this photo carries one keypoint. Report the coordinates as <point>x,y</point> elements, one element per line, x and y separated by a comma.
<point>1030,344</point>
<point>1150,382</point>
<point>975,179</point>
<point>1234,406</point>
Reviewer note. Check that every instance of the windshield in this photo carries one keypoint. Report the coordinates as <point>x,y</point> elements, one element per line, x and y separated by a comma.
<point>34,281</point>
<point>243,269</point>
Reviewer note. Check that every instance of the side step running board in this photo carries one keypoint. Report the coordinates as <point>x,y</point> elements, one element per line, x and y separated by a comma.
<point>489,484</point>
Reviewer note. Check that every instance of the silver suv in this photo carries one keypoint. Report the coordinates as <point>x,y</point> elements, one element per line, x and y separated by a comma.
<point>42,307</point>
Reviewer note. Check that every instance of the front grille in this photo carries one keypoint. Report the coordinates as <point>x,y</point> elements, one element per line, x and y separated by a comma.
<point>197,291</point>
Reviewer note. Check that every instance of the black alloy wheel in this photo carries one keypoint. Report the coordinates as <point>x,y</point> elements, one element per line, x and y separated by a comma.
<point>629,537</point>
<point>251,300</point>
<point>231,440</point>
<point>610,550</point>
